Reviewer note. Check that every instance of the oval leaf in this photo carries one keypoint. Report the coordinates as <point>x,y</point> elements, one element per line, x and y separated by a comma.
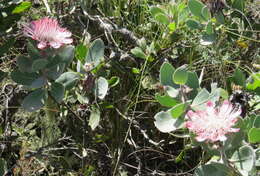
<point>34,101</point>
<point>165,123</point>
<point>39,64</point>
<point>196,7</point>
<point>94,118</point>
<point>57,91</point>
<point>68,79</point>
<point>95,53</point>
<point>180,76</point>
<point>101,88</point>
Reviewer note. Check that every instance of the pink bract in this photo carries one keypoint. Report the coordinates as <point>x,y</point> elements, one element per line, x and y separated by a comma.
<point>214,123</point>
<point>48,32</point>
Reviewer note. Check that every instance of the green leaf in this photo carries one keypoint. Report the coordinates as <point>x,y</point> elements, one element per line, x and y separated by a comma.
<point>166,72</point>
<point>239,77</point>
<point>239,5</point>
<point>24,63</point>
<point>23,77</point>
<point>66,54</point>
<point>257,122</point>
<point>193,80</point>
<point>178,110</point>
<point>196,8</point>
<point>172,26</point>
<point>166,100</point>
<point>81,52</point>
<point>209,28</point>
<point>57,91</point>
<point>38,83</point>
<point>113,81</point>
<point>213,169</point>
<point>55,71</point>
<point>244,159</point>
<point>199,101</point>
<point>135,70</point>
<point>82,99</point>
<point>162,18</point>
<point>137,52</point>
<point>68,79</point>
<point>39,64</point>
<point>254,135</point>
<point>101,88</point>
<point>253,82</point>
<point>156,10</point>
<point>193,24</point>
<point>2,75</point>
<point>180,76</point>
<point>32,50</point>
<point>95,53</point>
<point>165,123</point>
<point>94,118</point>
<point>205,13</point>
<point>223,93</point>
<point>34,101</point>
<point>22,7</point>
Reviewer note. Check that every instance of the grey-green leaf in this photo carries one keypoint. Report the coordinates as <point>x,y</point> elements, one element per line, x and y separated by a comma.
<point>24,63</point>
<point>165,123</point>
<point>94,118</point>
<point>66,54</point>
<point>23,77</point>
<point>95,53</point>
<point>39,64</point>
<point>244,158</point>
<point>101,87</point>
<point>180,76</point>
<point>199,101</point>
<point>196,7</point>
<point>57,91</point>
<point>213,169</point>
<point>166,72</point>
<point>34,101</point>
<point>68,79</point>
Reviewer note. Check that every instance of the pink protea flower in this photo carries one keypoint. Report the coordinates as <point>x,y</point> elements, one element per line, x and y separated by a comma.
<point>48,32</point>
<point>213,124</point>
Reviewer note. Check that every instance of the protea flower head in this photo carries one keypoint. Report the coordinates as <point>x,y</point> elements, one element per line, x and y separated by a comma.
<point>214,123</point>
<point>48,32</point>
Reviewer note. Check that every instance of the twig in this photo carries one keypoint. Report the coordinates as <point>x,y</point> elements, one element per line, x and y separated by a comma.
<point>47,6</point>
<point>109,27</point>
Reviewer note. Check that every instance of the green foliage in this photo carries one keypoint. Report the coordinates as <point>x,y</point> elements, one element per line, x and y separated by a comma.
<point>166,100</point>
<point>68,79</point>
<point>166,73</point>
<point>94,118</point>
<point>180,76</point>
<point>165,123</point>
<point>214,169</point>
<point>95,53</point>
<point>34,101</point>
<point>244,159</point>
<point>22,7</point>
<point>57,91</point>
<point>101,88</point>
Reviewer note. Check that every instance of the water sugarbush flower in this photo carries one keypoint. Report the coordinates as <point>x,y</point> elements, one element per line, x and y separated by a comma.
<point>214,123</point>
<point>48,32</point>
